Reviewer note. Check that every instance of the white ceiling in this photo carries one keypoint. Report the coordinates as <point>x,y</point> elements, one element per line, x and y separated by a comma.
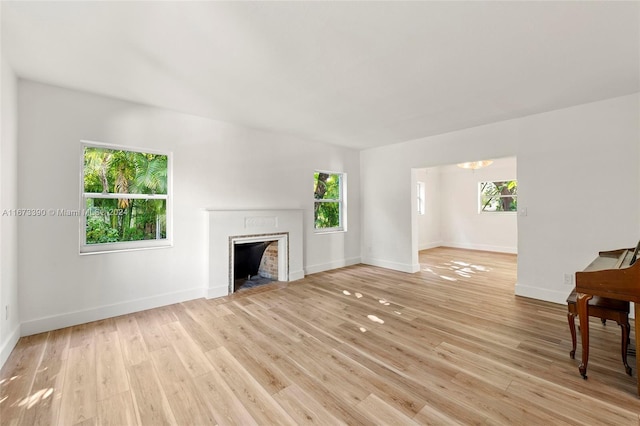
<point>357,74</point>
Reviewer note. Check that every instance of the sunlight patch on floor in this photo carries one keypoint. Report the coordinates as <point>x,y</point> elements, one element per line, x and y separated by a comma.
<point>32,400</point>
<point>461,269</point>
<point>444,277</point>
<point>348,293</point>
<point>375,319</point>
<point>480,268</point>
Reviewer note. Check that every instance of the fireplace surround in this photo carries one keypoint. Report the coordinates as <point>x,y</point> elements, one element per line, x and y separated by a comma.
<point>229,227</point>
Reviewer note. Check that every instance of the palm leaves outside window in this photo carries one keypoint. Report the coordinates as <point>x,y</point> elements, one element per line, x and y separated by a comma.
<point>125,195</point>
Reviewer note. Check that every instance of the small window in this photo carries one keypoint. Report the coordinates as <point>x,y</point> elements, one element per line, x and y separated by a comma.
<point>329,207</point>
<point>420,197</point>
<point>125,199</point>
<point>499,196</point>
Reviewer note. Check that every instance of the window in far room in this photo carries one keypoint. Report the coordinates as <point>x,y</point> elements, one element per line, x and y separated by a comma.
<point>125,198</point>
<point>329,211</point>
<point>498,196</point>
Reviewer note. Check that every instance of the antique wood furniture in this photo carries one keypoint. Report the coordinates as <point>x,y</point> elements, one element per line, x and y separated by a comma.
<point>615,275</point>
<point>605,309</point>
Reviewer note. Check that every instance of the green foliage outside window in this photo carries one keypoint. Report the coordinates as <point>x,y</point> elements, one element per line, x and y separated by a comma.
<point>328,199</point>
<point>499,196</point>
<point>112,216</point>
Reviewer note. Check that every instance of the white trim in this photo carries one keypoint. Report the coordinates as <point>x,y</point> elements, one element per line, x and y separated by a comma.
<point>542,293</point>
<point>296,275</point>
<point>420,198</point>
<point>481,247</point>
<point>68,319</point>
<point>328,230</point>
<point>117,196</point>
<point>87,142</point>
<point>430,245</point>
<point>492,212</point>
<point>124,246</point>
<point>314,269</point>
<point>402,267</point>
<point>9,343</point>
<point>220,291</point>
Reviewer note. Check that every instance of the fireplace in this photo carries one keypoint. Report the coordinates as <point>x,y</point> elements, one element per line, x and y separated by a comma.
<point>228,228</point>
<point>257,259</point>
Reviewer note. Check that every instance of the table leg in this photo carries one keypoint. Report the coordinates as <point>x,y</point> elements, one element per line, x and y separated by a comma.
<point>583,315</point>
<point>636,307</point>
<point>571,318</point>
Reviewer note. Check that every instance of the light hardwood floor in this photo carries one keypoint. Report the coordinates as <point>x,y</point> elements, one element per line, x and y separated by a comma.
<point>359,345</point>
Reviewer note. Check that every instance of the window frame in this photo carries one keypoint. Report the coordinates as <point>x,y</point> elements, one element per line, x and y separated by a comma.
<point>514,196</point>
<point>420,197</point>
<point>342,204</point>
<point>88,249</point>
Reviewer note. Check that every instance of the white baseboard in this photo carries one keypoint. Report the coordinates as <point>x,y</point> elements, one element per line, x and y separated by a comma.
<point>402,267</point>
<point>213,292</point>
<point>314,269</point>
<point>68,319</point>
<point>553,296</point>
<point>427,246</point>
<point>543,293</point>
<point>8,344</point>
<point>296,275</point>
<point>482,247</point>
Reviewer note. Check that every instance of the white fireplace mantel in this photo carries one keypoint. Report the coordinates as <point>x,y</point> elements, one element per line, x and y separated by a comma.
<point>226,224</point>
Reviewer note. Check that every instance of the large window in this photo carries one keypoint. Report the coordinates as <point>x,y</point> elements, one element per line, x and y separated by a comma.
<point>329,206</point>
<point>125,196</point>
<point>499,196</point>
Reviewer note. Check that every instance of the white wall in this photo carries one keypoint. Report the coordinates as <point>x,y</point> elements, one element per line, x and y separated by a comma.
<point>429,224</point>
<point>216,166</point>
<point>388,222</point>
<point>9,325</point>
<point>462,225</point>
<point>577,178</point>
<point>577,170</point>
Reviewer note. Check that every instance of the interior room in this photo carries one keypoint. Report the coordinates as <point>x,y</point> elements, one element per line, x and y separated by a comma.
<point>450,215</point>
<point>145,147</point>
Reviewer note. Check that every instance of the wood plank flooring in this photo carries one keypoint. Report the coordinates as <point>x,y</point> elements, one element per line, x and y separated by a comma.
<point>361,345</point>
